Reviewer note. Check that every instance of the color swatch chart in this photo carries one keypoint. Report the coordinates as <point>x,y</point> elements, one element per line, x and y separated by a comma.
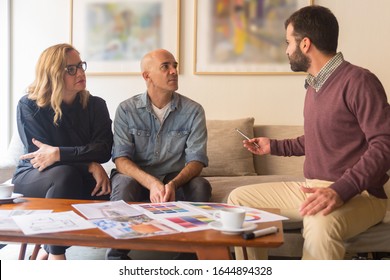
<point>162,209</point>
<point>190,221</point>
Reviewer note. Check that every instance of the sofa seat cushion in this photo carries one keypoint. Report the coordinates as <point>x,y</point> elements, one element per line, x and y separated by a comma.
<point>222,186</point>
<point>375,239</point>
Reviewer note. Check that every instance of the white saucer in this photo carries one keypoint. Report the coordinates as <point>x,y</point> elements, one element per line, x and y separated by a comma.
<point>13,196</point>
<point>246,227</point>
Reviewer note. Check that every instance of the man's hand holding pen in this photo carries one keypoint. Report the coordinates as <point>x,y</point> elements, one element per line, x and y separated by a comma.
<point>263,145</point>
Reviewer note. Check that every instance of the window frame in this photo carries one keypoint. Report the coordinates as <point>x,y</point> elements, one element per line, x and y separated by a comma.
<point>5,77</point>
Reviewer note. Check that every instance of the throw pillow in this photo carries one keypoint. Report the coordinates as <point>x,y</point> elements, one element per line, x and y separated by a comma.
<point>227,156</point>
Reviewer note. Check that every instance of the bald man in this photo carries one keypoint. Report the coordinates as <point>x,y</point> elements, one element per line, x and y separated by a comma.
<point>160,139</point>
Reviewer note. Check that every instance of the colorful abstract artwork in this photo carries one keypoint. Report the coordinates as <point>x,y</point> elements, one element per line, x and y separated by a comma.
<point>242,36</point>
<point>113,35</point>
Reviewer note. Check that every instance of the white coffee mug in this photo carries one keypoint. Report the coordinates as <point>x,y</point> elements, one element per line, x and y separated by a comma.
<point>6,190</point>
<point>230,218</point>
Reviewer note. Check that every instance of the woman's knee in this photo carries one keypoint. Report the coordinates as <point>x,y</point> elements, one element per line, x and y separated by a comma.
<point>68,175</point>
<point>67,182</point>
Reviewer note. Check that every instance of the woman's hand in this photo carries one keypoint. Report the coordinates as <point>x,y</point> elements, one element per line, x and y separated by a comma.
<point>101,178</point>
<point>44,157</point>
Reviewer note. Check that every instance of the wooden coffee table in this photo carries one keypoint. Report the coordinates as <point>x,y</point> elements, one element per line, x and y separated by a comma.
<point>207,244</point>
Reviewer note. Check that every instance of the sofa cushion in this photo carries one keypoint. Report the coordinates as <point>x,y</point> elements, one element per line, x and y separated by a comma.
<point>9,161</point>
<point>222,186</point>
<point>274,165</point>
<point>375,239</point>
<point>15,150</point>
<point>227,156</point>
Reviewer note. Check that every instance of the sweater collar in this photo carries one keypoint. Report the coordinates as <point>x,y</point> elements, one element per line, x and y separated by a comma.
<point>318,81</point>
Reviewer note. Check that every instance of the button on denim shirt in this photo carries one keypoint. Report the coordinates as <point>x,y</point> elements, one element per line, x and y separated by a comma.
<point>156,148</point>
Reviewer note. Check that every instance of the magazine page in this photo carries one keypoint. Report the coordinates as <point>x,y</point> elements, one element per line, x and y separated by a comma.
<point>110,209</point>
<point>132,226</point>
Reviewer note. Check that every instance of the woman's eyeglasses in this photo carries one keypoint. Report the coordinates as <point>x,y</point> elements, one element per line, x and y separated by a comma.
<point>72,69</point>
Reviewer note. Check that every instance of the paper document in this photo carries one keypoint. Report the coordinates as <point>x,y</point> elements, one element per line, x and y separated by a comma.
<point>252,215</point>
<point>51,222</point>
<point>122,220</point>
<point>6,221</point>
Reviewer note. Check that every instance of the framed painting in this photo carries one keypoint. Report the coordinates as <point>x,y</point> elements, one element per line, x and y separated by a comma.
<point>113,35</point>
<point>242,37</point>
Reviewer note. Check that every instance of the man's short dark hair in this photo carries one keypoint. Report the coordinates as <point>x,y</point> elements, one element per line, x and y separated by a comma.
<point>318,24</point>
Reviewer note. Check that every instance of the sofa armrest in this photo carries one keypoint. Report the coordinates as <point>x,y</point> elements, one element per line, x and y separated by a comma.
<point>6,172</point>
<point>9,161</point>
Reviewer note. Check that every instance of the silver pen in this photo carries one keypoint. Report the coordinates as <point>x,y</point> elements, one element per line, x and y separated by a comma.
<point>247,138</point>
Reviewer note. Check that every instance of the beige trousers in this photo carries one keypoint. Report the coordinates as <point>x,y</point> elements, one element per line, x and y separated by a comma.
<point>323,235</point>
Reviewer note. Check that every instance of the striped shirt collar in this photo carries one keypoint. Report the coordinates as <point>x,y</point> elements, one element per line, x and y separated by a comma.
<point>318,81</point>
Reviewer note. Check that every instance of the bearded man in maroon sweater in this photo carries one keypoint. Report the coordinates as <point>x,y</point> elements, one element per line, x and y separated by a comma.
<point>346,143</point>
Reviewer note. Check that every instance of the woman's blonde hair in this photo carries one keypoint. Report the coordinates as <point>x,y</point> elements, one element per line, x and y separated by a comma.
<point>49,84</point>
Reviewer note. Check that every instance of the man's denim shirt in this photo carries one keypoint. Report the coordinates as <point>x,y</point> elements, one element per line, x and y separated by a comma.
<point>160,149</point>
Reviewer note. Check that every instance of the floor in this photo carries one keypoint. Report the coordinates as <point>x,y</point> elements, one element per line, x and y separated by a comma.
<point>11,252</point>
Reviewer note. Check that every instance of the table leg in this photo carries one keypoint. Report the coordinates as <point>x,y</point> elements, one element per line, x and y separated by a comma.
<point>34,254</point>
<point>22,251</point>
<point>245,253</point>
<point>213,253</point>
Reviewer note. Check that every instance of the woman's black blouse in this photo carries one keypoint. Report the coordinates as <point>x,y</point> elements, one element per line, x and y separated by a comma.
<point>83,135</point>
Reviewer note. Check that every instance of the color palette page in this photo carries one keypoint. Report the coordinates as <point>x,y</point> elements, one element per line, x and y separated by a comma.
<point>177,215</point>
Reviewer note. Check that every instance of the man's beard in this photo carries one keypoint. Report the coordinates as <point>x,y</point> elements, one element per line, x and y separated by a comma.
<point>298,61</point>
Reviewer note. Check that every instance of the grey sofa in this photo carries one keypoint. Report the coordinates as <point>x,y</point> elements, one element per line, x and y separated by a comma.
<point>232,166</point>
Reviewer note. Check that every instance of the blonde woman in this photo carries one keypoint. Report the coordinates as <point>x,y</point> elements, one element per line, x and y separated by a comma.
<point>66,134</point>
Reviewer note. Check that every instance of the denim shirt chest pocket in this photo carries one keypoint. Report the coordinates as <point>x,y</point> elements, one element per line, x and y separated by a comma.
<point>141,140</point>
<point>177,140</point>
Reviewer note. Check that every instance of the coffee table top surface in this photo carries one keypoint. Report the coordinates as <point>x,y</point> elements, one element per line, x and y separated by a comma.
<point>97,238</point>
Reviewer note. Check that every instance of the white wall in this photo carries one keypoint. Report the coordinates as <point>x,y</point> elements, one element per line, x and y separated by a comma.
<point>36,24</point>
<point>5,97</point>
<point>278,99</point>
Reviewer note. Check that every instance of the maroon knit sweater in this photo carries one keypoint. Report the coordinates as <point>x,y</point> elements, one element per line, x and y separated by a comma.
<point>347,133</point>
